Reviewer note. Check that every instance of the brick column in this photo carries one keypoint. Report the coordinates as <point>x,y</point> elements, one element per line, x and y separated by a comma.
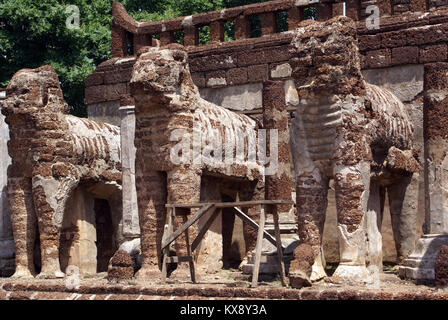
<point>337,9</point>
<point>166,37</point>
<point>268,23</point>
<point>242,28</point>
<point>436,137</point>
<point>141,40</point>
<point>118,42</point>
<point>352,9</point>
<point>217,31</point>
<point>420,264</point>
<point>191,37</point>
<point>275,116</point>
<point>324,11</point>
<point>418,5</point>
<point>131,228</point>
<point>295,15</point>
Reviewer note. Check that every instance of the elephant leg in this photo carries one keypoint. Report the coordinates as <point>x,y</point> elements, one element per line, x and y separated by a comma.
<point>352,184</point>
<point>311,200</point>
<point>50,196</point>
<point>23,220</point>
<point>151,198</point>
<point>184,186</point>
<point>403,203</point>
<point>374,260</point>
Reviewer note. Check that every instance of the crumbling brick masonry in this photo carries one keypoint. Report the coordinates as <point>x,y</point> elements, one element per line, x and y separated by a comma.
<point>170,115</point>
<point>355,133</point>
<point>52,153</point>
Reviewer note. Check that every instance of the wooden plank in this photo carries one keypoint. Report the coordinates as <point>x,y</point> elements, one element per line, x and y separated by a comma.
<point>228,204</point>
<point>186,225</point>
<point>179,259</point>
<point>258,248</point>
<point>254,225</point>
<point>168,229</point>
<point>167,232</point>
<point>164,261</point>
<point>278,239</point>
<point>187,242</point>
<point>205,228</point>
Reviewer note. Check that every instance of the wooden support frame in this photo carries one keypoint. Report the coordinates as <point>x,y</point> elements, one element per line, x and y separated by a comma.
<point>187,224</point>
<point>215,209</point>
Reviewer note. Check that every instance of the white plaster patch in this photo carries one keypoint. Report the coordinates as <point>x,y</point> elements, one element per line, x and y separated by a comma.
<point>291,94</point>
<point>57,193</point>
<point>405,82</point>
<point>242,97</point>
<point>281,71</point>
<point>187,22</point>
<point>216,82</point>
<point>123,60</point>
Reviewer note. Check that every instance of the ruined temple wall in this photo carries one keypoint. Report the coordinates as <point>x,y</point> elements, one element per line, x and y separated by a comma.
<point>6,239</point>
<point>231,74</point>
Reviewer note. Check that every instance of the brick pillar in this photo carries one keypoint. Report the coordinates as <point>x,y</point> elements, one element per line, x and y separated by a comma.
<point>131,228</point>
<point>191,37</point>
<point>436,138</point>
<point>275,116</point>
<point>216,31</point>
<point>268,23</point>
<point>295,15</point>
<point>324,11</point>
<point>385,7</point>
<point>166,37</point>
<point>118,41</point>
<point>400,6</point>
<point>418,5</point>
<point>352,9</point>
<point>337,9</point>
<point>242,28</point>
<point>141,40</point>
<point>420,264</point>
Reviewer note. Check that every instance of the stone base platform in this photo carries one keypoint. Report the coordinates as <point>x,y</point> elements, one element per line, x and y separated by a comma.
<point>213,288</point>
<point>419,267</point>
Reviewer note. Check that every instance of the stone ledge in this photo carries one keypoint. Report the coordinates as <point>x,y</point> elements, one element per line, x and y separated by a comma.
<point>11,290</point>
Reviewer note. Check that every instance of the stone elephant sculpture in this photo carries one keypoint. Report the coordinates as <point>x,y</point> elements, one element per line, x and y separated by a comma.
<point>52,153</point>
<point>361,136</point>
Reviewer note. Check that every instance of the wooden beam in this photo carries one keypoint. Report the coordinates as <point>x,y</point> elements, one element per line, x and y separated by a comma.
<point>258,248</point>
<point>179,259</point>
<point>254,225</point>
<point>186,225</point>
<point>205,228</point>
<point>187,243</point>
<point>228,204</point>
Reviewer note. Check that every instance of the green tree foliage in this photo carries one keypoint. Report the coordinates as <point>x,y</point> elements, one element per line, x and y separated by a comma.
<point>34,33</point>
